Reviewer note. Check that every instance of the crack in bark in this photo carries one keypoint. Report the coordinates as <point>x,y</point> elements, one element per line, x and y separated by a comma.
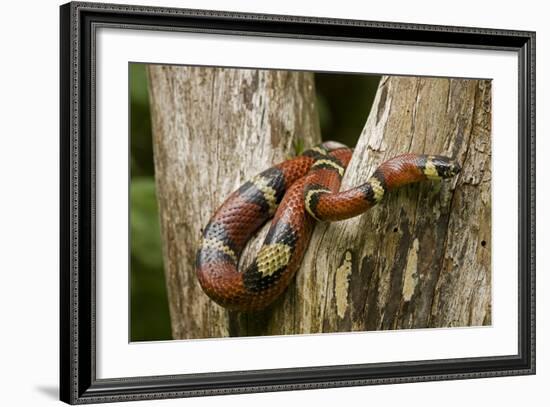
<point>459,178</point>
<point>449,96</point>
<point>413,118</point>
<point>327,285</point>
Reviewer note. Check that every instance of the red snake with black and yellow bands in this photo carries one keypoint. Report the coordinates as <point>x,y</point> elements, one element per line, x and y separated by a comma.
<point>295,193</point>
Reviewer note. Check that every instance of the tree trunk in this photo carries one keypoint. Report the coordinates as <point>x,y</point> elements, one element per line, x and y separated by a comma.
<point>214,128</point>
<point>422,258</point>
<point>419,259</point>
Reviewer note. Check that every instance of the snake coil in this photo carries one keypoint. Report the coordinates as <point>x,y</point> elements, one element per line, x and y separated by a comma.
<point>295,193</point>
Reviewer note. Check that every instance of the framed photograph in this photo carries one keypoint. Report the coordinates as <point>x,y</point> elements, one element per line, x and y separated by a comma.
<point>255,203</point>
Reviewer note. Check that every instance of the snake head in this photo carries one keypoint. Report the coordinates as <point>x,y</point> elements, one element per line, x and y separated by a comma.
<point>445,166</point>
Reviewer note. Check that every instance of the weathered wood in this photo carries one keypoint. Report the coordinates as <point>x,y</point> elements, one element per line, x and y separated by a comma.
<point>422,258</point>
<point>213,128</point>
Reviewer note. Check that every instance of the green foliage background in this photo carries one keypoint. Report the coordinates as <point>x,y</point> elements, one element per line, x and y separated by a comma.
<point>344,101</point>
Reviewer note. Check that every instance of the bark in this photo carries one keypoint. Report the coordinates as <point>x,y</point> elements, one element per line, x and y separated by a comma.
<point>422,258</point>
<point>214,128</point>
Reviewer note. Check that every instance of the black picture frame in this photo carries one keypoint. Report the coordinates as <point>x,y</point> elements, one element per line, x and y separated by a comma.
<point>78,382</point>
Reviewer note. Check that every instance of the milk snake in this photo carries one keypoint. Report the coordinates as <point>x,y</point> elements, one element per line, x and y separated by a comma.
<point>296,193</point>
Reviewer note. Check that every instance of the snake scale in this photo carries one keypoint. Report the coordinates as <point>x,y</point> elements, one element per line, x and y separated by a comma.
<point>295,193</point>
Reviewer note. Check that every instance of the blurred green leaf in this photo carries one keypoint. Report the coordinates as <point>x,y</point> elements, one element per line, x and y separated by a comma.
<point>141,142</point>
<point>149,318</point>
<point>138,84</point>
<point>298,146</point>
<point>144,220</point>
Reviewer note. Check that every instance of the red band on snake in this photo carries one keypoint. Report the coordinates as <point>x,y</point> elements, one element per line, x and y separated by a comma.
<point>296,193</point>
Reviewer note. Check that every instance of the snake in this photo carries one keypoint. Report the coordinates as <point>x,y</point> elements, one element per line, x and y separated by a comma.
<point>295,194</point>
